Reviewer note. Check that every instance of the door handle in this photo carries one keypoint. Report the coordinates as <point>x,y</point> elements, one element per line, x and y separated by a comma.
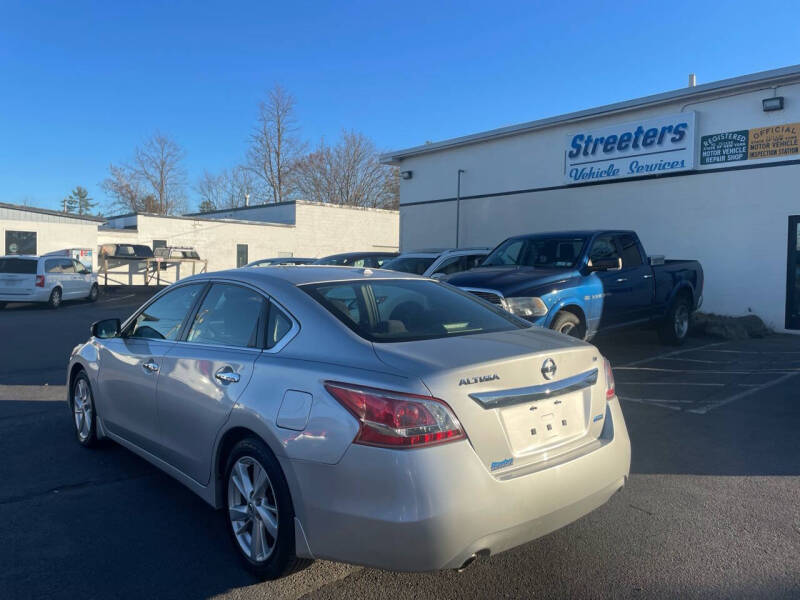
<point>150,365</point>
<point>226,375</point>
<point>621,279</point>
<point>646,276</point>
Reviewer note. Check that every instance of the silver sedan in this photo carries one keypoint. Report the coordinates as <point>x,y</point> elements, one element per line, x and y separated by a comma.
<point>362,416</point>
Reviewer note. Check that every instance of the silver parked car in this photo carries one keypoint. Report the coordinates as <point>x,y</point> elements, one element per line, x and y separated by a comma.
<point>47,278</point>
<point>362,416</point>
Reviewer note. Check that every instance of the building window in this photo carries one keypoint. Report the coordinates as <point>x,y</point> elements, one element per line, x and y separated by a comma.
<point>20,242</point>
<point>159,244</point>
<point>241,255</point>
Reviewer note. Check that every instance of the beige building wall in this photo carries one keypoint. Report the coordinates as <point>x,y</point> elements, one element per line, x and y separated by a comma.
<point>324,229</point>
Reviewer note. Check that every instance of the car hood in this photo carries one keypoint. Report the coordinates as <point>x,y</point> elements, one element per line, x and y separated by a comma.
<point>509,280</point>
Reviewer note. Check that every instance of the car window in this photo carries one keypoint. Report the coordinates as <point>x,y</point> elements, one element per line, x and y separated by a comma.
<point>163,319</point>
<point>604,248</point>
<point>410,264</point>
<point>229,316</point>
<point>451,265</point>
<point>52,266</point>
<point>79,268</point>
<point>18,266</point>
<point>343,302</point>
<point>545,252</point>
<point>631,257</point>
<point>359,262</point>
<point>474,260</point>
<point>382,260</point>
<point>278,325</point>
<point>416,309</point>
<point>66,265</point>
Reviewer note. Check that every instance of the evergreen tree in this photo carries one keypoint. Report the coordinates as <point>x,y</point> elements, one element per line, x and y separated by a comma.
<point>80,202</point>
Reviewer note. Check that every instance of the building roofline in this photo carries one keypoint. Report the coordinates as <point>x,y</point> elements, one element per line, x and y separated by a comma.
<point>53,213</point>
<point>194,218</point>
<point>249,207</point>
<point>754,80</point>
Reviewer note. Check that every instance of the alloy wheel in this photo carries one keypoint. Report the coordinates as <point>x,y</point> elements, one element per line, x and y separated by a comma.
<point>681,321</point>
<point>252,509</point>
<point>82,409</point>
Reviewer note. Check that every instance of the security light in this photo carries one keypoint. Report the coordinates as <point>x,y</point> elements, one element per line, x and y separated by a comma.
<point>775,103</point>
<point>406,174</point>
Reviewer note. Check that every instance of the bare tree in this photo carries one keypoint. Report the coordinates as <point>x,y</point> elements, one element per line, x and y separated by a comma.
<point>348,173</point>
<point>275,146</point>
<point>154,182</point>
<point>228,189</point>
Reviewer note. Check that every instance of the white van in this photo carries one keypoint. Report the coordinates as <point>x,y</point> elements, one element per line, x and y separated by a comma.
<point>48,279</point>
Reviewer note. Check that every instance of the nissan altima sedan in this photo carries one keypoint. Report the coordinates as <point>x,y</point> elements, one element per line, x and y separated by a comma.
<point>362,416</point>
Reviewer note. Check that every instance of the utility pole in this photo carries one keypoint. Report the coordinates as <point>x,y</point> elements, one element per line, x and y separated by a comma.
<point>458,208</point>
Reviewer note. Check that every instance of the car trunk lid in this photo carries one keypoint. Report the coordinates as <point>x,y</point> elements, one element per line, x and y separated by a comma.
<point>523,397</point>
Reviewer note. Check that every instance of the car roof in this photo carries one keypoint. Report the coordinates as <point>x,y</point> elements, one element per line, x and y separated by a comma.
<point>359,254</point>
<point>570,233</point>
<point>299,275</point>
<point>26,256</point>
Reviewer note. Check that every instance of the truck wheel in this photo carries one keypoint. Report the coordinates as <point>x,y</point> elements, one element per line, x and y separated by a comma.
<point>569,324</point>
<point>55,298</point>
<point>675,327</point>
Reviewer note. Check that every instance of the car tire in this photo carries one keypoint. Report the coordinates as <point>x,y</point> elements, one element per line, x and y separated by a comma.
<point>261,525</point>
<point>94,292</point>
<point>674,329</point>
<point>55,298</point>
<point>569,324</point>
<point>84,415</point>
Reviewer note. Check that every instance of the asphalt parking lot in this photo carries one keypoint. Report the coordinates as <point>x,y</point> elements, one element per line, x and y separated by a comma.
<point>711,508</point>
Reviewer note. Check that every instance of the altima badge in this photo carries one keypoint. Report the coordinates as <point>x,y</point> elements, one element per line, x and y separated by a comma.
<point>479,379</point>
<point>549,368</point>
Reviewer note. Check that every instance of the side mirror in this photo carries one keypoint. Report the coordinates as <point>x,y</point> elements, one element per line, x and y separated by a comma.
<point>107,328</point>
<point>438,275</point>
<point>604,264</point>
<point>85,271</point>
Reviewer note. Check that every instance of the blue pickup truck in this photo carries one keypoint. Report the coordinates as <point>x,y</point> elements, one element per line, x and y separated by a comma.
<point>584,282</point>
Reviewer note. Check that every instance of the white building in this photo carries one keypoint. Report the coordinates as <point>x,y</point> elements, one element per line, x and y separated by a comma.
<point>226,239</point>
<point>29,230</point>
<point>229,238</point>
<point>710,172</point>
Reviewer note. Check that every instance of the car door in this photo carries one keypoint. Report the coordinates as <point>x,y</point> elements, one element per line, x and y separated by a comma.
<point>83,280</point>
<point>636,281</point>
<point>69,278</point>
<point>203,375</point>
<point>130,365</point>
<point>604,247</point>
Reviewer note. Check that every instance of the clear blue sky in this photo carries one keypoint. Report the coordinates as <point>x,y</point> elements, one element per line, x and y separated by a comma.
<point>82,83</point>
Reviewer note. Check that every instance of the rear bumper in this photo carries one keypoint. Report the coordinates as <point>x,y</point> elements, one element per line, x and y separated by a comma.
<point>38,295</point>
<point>433,508</point>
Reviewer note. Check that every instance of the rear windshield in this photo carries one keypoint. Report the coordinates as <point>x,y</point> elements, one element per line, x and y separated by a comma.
<point>544,252</point>
<point>18,266</point>
<point>409,264</point>
<point>391,310</point>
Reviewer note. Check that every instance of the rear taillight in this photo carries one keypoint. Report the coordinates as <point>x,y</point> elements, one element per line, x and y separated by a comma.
<point>39,281</point>
<point>397,420</point>
<point>610,391</point>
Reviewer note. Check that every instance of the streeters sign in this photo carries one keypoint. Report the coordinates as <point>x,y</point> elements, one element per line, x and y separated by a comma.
<point>647,147</point>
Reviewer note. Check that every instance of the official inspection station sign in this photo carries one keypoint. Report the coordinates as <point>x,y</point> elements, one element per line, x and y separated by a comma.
<point>653,146</point>
<point>774,141</point>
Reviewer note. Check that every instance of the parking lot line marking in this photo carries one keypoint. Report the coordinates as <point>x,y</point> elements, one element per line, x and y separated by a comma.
<point>649,402</point>
<point>673,353</point>
<point>706,371</point>
<point>697,360</point>
<point>672,383</point>
<point>709,407</point>
<point>756,351</point>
